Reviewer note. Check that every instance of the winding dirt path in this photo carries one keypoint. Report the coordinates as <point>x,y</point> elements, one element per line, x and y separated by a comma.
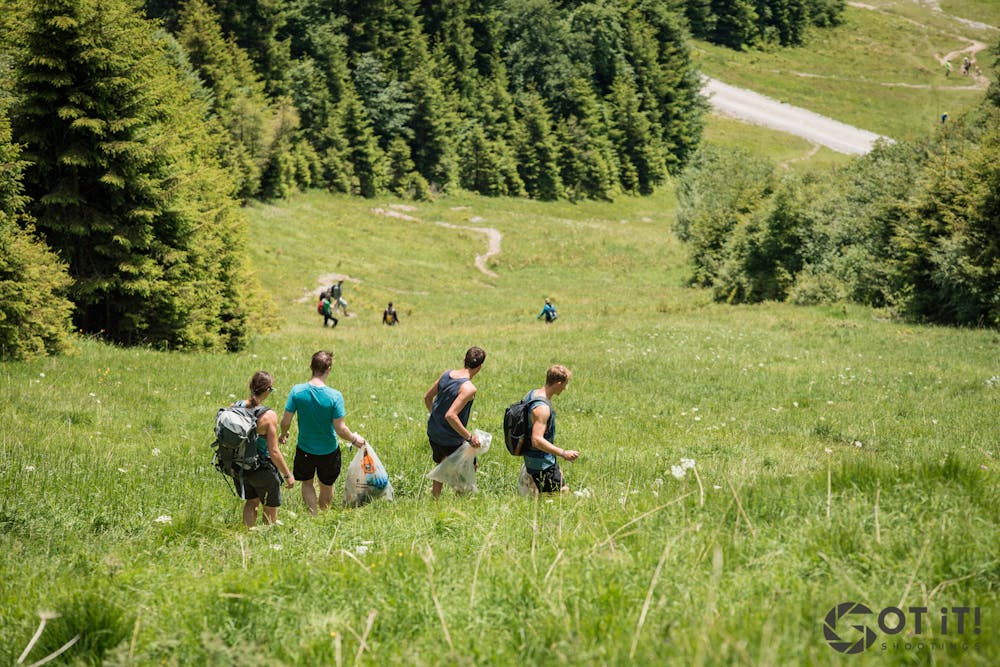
<point>494,239</point>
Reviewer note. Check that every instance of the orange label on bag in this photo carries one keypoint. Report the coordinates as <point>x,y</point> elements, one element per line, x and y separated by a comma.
<point>367,464</point>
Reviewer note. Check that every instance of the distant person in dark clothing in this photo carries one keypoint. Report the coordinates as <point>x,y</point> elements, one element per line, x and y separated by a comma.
<point>328,310</point>
<point>389,316</point>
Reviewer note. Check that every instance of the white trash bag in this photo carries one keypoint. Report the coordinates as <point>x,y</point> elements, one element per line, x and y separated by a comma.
<point>458,470</point>
<point>366,478</point>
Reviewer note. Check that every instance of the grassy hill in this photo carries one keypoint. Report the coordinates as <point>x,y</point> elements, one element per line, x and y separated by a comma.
<point>840,456</point>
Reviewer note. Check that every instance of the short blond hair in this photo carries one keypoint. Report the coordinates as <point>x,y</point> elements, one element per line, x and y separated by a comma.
<point>557,373</point>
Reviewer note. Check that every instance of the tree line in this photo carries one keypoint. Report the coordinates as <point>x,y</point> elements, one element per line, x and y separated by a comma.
<point>131,132</point>
<point>912,227</point>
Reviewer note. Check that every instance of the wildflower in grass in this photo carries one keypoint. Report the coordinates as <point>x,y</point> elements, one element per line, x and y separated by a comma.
<point>29,468</point>
<point>687,464</point>
<point>678,472</point>
<point>208,393</point>
<point>361,549</point>
<point>276,547</point>
<point>122,470</point>
<point>41,375</point>
<point>582,493</point>
<point>857,443</point>
<point>156,451</point>
<point>828,450</point>
<point>716,487</point>
<point>163,518</point>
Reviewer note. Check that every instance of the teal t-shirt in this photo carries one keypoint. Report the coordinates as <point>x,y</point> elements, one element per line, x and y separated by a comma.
<point>316,407</point>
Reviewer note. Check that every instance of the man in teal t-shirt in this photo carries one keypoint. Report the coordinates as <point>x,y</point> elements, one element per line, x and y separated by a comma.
<point>321,419</point>
<point>540,459</point>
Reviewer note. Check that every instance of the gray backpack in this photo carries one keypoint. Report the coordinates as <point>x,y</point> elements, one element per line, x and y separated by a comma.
<point>236,439</point>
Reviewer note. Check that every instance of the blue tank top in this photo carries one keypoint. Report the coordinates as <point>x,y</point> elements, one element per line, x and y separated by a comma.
<point>535,459</point>
<point>262,449</point>
<point>439,431</point>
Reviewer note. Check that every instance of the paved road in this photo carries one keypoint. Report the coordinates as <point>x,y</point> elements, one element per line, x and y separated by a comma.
<point>758,109</point>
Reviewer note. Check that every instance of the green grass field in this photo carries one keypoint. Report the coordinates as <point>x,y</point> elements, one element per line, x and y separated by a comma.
<point>839,457</point>
<point>878,71</point>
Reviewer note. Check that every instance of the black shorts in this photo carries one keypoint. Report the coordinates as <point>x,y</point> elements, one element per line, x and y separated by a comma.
<point>549,480</point>
<point>441,452</point>
<point>264,483</point>
<point>325,466</point>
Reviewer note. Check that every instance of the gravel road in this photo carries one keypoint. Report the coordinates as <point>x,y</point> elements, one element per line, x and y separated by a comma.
<point>751,107</point>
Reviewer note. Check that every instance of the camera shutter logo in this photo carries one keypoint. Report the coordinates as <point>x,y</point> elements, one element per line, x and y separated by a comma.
<point>835,640</point>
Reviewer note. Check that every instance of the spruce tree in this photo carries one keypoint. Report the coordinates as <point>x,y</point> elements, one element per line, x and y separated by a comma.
<point>124,182</point>
<point>34,311</point>
<point>361,146</point>
<point>538,152</point>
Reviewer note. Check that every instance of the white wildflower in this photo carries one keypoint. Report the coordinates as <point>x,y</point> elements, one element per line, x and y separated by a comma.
<point>122,470</point>
<point>678,472</point>
<point>361,549</point>
<point>828,450</point>
<point>41,375</point>
<point>276,547</point>
<point>92,394</point>
<point>156,451</point>
<point>208,393</point>
<point>29,468</point>
<point>687,463</point>
<point>163,518</point>
<point>857,443</point>
<point>795,404</point>
<point>582,493</point>
<point>716,487</point>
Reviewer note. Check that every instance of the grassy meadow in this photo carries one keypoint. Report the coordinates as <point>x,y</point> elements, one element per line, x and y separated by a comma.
<point>879,70</point>
<point>839,456</point>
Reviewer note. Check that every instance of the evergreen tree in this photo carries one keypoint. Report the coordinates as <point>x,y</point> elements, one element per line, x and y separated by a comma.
<point>736,23</point>
<point>362,149</point>
<point>431,125</point>
<point>538,152</point>
<point>124,181</point>
<point>34,311</point>
<point>636,139</point>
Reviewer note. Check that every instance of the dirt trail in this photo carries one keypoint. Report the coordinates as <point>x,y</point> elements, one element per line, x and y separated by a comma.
<point>494,238</point>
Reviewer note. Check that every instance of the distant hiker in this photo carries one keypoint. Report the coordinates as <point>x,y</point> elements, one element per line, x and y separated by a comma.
<point>540,460</point>
<point>966,64</point>
<point>548,312</point>
<point>321,419</point>
<point>337,297</point>
<point>389,316</point>
<point>326,309</point>
<point>449,403</point>
<point>264,483</point>
<point>944,117</point>
<point>947,68</point>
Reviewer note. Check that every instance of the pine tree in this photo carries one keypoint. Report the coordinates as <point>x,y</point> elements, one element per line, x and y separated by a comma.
<point>34,311</point>
<point>538,152</point>
<point>636,139</point>
<point>362,149</point>
<point>124,180</point>
<point>431,124</point>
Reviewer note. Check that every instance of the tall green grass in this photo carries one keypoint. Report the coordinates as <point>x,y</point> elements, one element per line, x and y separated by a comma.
<point>839,456</point>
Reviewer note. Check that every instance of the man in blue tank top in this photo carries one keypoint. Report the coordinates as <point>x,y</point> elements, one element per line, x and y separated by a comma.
<point>540,459</point>
<point>449,402</point>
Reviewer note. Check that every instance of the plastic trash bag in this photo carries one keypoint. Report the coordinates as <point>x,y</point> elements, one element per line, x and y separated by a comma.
<point>458,470</point>
<point>526,484</point>
<point>366,478</point>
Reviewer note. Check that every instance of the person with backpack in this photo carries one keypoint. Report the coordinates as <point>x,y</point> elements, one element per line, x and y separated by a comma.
<point>321,419</point>
<point>264,483</point>
<point>337,297</point>
<point>326,309</point>
<point>540,458</point>
<point>548,312</point>
<point>449,403</point>
<point>389,316</point>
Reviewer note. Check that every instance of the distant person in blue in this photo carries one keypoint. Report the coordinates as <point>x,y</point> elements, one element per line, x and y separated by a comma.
<point>337,297</point>
<point>540,459</point>
<point>449,403</point>
<point>548,312</point>
<point>321,419</point>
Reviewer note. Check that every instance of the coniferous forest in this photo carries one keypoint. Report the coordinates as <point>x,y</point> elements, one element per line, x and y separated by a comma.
<point>131,134</point>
